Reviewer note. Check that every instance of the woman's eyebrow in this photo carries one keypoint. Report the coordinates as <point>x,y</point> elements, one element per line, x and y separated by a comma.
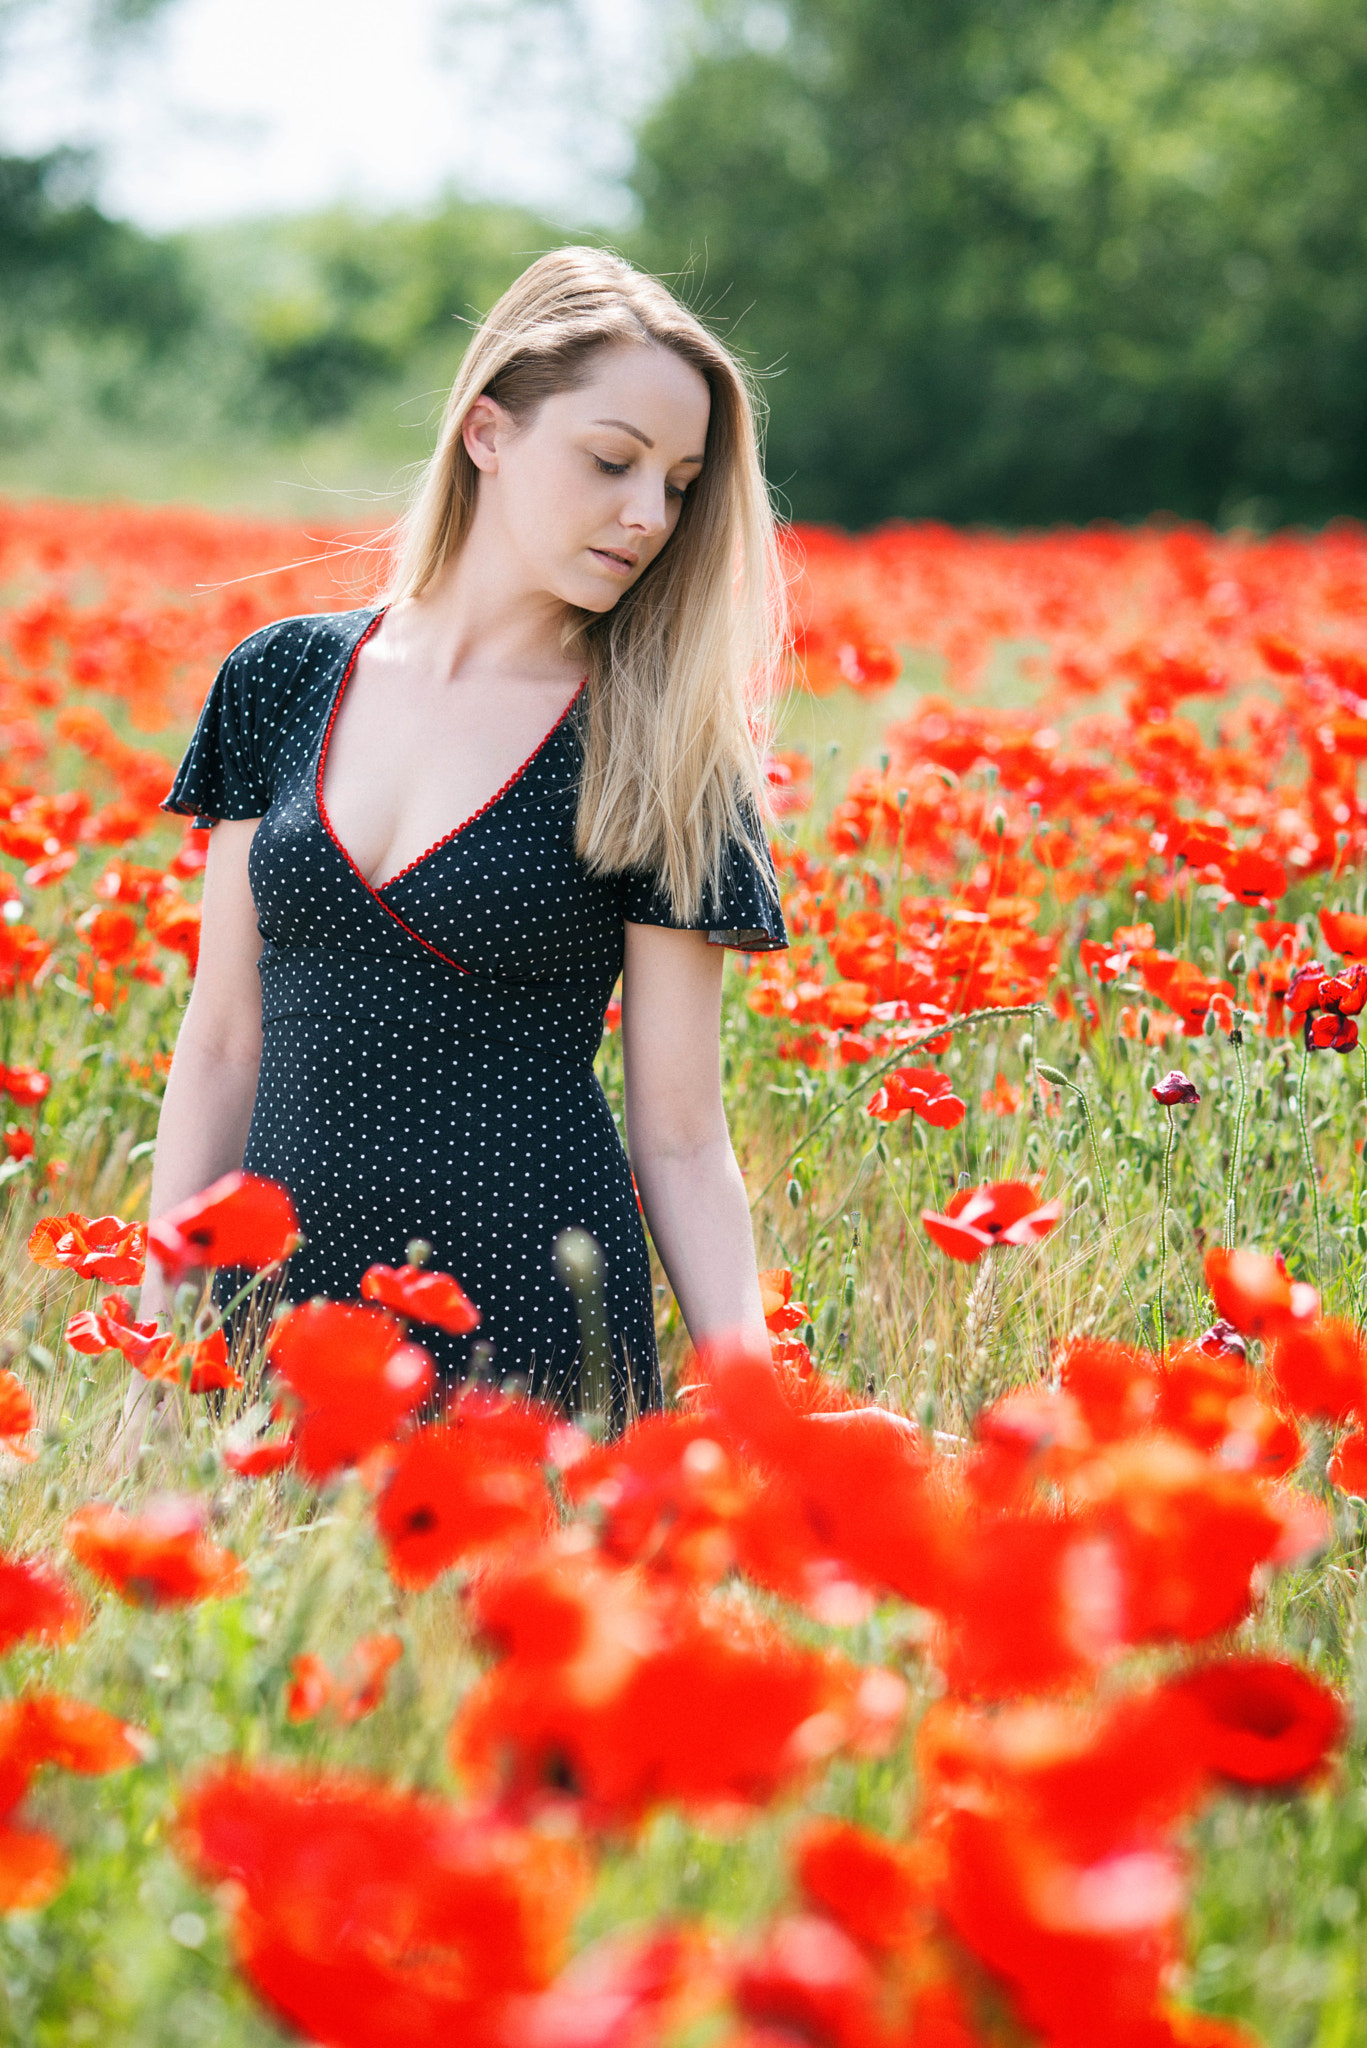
<point>685,461</point>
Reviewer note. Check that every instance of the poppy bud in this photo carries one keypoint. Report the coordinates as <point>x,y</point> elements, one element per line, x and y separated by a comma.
<point>1174,1088</point>
<point>1222,1340</point>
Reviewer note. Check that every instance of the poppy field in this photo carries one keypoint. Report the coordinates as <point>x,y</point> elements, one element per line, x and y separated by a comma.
<point>983,1668</point>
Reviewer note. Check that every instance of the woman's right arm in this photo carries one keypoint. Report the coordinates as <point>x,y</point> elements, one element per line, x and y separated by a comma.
<point>212,1086</point>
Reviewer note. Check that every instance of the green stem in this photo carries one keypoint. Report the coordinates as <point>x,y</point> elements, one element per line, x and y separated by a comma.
<point>876,1073</point>
<point>1236,1037</point>
<point>1163,1232</point>
<point>1060,1080</point>
<point>1310,1163</point>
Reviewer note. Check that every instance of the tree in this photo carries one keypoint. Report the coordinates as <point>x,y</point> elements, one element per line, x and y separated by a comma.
<point>1024,260</point>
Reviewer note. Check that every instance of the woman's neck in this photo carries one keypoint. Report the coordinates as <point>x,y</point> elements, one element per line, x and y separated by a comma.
<point>481,616</point>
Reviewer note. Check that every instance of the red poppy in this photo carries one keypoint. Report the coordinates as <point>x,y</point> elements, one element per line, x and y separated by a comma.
<point>781,1312</point>
<point>1115,1387</point>
<point>925,1091</point>
<point>210,1370</point>
<point>35,1600</point>
<point>365,1916</point>
<point>667,1495</point>
<point>872,1888</point>
<point>1348,1467</point>
<point>1175,1088</point>
<point>46,1728</point>
<point>111,1327</point>
<point>1345,933</point>
<point>632,1696</point>
<point>241,1220</point>
<point>1320,1369</point>
<point>1257,1294</point>
<point>25,1084</point>
<point>1346,991</point>
<point>160,1558</point>
<point>1266,1722</point>
<point>1254,878</point>
<point>1214,1402</point>
<point>351,1377</point>
<point>16,1416</point>
<point>805,1979</point>
<point>96,1247</point>
<point>426,1296</point>
<point>260,1461</point>
<point>19,1144</point>
<point>466,1487</point>
<point>1006,1212</point>
<point>356,1692</point>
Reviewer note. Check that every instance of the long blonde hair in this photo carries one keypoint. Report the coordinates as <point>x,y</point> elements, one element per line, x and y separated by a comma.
<point>681,668</point>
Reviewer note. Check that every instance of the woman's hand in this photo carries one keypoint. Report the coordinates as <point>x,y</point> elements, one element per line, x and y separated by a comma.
<point>690,1185</point>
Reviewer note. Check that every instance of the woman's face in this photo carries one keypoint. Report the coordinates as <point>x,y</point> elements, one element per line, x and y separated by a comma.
<point>587,490</point>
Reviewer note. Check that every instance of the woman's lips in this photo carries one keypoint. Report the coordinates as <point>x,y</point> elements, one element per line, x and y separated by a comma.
<point>620,564</point>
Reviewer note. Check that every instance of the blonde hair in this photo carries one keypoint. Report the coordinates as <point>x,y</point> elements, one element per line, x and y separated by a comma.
<point>681,668</point>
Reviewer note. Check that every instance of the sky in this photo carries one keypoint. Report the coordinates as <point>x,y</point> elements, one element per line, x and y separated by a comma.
<point>232,108</point>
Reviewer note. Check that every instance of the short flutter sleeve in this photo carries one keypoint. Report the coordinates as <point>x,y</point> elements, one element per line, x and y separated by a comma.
<point>742,912</point>
<point>224,772</point>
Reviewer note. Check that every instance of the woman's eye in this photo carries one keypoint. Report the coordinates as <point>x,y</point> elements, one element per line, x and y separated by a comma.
<point>611,468</point>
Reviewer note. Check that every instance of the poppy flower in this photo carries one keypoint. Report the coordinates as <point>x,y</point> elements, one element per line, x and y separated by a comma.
<point>1222,1340</point>
<point>464,1488</point>
<point>96,1247</point>
<point>1006,1212</point>
<point>25,1084</point>
<point>426,1296</point>
<point>46,1728</point>
<point>1345,933</point>
<point>631,1696</point>
<point>1330,1033</point>
<point>358,1689</point>
<point>872,1888</point>
<point>781,1312</point>
<point>35,1600</point>
<point>260,1460</point>
<point>668,1496</point>
<point>925,1091</point>
<point>241,1220</point>
<point>1266,1722</point>
<point>160,1558</point>
<point>1254,878</point>
<point>364,1915</point>
<point>1347,1467</point>
<point>1303,989</point>
<point>1320,1369</point>
<point>17,1418</point>
<point>1257,1294</point>
<point>19,1144</point>
<point>1175,1088</point>
<point>352,1379</point>
<point>111,1327</point>
<point>1346,991</point>
<point>805,1979</point>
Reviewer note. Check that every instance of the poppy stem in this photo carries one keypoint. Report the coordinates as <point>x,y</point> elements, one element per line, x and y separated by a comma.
<point>1302,1120</point>
<point>1058,1079</point>
<point>1163,1231</point>
<point>1236,1039</point>
<point>871,1075</point>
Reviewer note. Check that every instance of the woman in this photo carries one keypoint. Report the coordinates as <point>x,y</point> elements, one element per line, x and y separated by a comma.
<point>444,824</point>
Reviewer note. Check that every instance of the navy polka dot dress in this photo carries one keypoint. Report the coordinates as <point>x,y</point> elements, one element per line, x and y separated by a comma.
<point>427,1067</point>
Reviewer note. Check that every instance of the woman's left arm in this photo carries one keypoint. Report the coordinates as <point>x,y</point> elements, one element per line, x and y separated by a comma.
<point>690,1185</point>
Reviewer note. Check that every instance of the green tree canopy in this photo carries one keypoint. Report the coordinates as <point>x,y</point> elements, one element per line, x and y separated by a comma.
<point>1026,260</point>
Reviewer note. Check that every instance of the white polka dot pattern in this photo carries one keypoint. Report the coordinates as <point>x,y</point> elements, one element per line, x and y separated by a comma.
<point>427,1068</point>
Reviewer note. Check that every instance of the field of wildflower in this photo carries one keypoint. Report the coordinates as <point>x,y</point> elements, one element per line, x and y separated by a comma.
<point>983,1670</point>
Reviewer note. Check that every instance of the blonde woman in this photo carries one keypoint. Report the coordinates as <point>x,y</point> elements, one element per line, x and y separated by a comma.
<point>444,824</point>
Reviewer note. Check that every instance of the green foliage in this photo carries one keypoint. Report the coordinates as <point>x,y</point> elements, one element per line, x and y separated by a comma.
<point>1026,262</point>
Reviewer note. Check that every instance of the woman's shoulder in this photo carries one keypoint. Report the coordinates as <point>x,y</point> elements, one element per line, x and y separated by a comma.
<point>287,651</point>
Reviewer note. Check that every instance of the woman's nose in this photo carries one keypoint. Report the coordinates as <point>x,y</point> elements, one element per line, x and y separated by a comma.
<point>646,510</point>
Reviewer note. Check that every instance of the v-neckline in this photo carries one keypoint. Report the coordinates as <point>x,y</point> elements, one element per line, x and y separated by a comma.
<point>378,891</point>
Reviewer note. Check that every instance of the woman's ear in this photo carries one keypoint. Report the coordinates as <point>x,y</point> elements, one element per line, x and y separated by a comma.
<point>482,430</point>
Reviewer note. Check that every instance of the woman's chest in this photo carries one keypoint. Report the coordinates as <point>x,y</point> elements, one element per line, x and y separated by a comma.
<point>505,897</point>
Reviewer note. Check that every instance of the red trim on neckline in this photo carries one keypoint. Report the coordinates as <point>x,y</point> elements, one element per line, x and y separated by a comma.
<point>326,822</point>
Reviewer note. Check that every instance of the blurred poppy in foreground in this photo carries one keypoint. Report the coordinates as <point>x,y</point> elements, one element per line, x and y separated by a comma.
<point>1265,1722</point>
<point>46,1728</point>
<point>366,1916</point>
<point>35,1600</point>
<point>17,1418</point>
<point>96,1247</point>
<point>975,1219</point>
<point>352,1379</point>
<point>161,1558</point>
<point>428,1297</point>
<point>1256,1294</point>
<point>241,1220</point>
<point>466,1487</point>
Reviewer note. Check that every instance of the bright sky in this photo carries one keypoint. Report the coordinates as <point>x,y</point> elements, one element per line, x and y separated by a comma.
<point>240,107</point>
